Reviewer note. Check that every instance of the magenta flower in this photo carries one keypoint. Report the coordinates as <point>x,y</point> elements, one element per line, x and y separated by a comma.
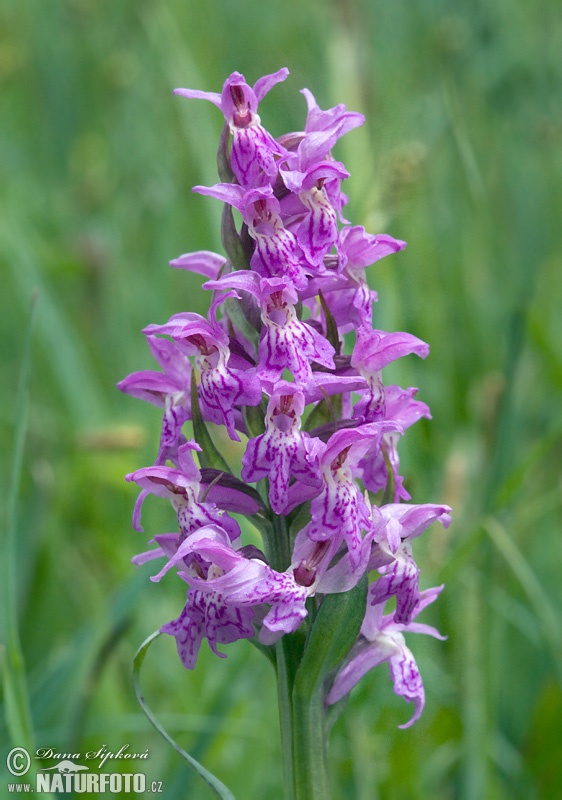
<point>254,151</point>
<point>339,512</point>
<point>382,639</point>
<point>324,128</point>
<point>393,554</point>
<point>286,342</point>
<point>222,579</point>
<point>184,489</point>
<point>222,387</point>
<point>400,407</point>
<point>283,451</point>
<point>206,616</point>
<point>204,262</point>
<point>373,351</point>
<point>277,252</point>
<point>168,389</point>
<point>318,190</point>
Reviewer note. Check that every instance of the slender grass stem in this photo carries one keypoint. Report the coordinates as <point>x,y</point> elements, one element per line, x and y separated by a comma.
<point>18,712</point>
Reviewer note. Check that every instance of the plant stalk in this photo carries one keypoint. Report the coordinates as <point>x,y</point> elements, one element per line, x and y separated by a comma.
<point>301,716</point>
<point>310,762</point>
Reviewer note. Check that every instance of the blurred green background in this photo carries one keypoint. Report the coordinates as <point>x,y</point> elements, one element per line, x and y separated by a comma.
<point>461,156</point>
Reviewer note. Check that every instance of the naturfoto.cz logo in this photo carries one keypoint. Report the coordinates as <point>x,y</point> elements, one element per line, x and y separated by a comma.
<point>67,776</point>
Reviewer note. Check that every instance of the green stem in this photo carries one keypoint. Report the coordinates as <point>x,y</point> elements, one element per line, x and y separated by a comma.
<point>284,684</point>
<point>301,711</point>
<point>278,546</point>
<point>310,764</point>
<point>279,554</point>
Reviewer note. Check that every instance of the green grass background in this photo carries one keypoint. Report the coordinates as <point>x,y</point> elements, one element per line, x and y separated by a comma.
<point>461,156</point>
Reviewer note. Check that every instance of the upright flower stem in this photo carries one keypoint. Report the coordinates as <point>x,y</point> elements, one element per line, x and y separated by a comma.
<point>279,552</point>
<point>310,765</point>
<point>284,693</point>
<point>303,732</point>
<point>301,713</point>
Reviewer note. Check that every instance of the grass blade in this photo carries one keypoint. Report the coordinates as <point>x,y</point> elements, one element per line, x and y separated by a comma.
<point>17,705</point>
<point>219,788</point>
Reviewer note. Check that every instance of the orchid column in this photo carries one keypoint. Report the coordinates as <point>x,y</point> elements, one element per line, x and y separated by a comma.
<point>320,476</point>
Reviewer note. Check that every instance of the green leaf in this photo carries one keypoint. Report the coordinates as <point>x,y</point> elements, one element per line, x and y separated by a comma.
<point>231,240</point>
<point>223,156</point>
<point>217,786</point>
<point>235,313</point>
<point>209,455</point>
<point>328,410</point>
<point>333,634</point>
<point>331,327</point>
<point>254,417</point>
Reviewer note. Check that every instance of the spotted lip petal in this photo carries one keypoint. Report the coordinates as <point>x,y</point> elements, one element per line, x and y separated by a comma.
<point>277,252</point>
<point>339,511</point>
<point>283,451</point>
<point>234,586</point>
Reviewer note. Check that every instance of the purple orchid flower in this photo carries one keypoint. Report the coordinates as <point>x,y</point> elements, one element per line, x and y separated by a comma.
<point>381,639</point>
<point>346,288</point>
<point>204,262</point>
<point>321,132</point>
<point>373,351</point>
<point>333,123</point>
<point>207,616</point>
<point>316,426</point>
<point>277,252</point>
<point>283,451</point>
<point>392,554</point>
<point>342,280</point>
<point>184,489</point>
<point>224,579</point>
<point>318,190</point>
<point>168,389</point>
<point>400,407</point>
<point>328,566</point>
<point>286,342</point>
<point>339,511</point>
<point>221,386</point>
<point>255,152</point>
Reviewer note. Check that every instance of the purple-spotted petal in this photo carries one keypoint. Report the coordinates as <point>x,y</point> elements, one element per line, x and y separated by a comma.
<point>381,640</point>
<point>207,616</point>
<point>401,580</point>
<point>282,452</point>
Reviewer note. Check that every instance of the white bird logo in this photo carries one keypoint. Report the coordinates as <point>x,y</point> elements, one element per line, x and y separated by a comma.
<point>65,767</point>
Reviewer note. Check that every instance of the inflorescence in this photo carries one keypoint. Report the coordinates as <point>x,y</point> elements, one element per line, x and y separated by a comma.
<point>288,362</point>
